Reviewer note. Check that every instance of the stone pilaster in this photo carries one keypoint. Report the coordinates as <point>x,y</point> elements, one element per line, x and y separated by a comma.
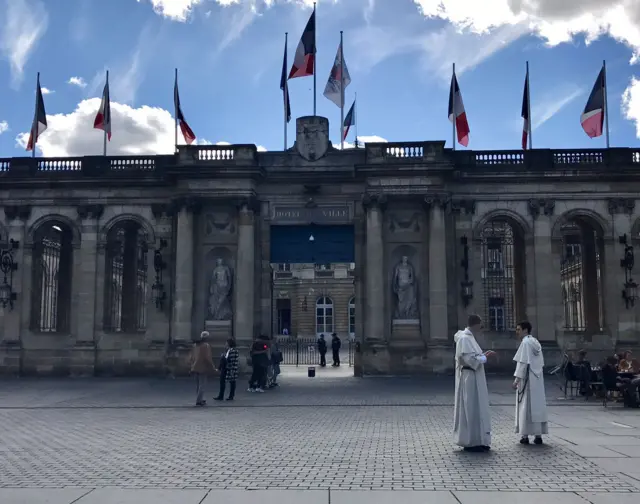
<point>463,211</point>
<point>181,322</point>
<point>16,217</point>
<point>243,311</point>
<point>620,321</point>
<point>84,275</point>
<point>438,308</point>
<point>374,271</point>
<point>548,323</point>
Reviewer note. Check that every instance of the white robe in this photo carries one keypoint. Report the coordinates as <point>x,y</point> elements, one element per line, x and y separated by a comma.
<point>471,416</point>
<point>531,402</point>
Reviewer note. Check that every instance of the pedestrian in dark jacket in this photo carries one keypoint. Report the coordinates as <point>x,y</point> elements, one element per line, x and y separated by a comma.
<point>229,363</point>
<point>260,364</point>
<point>335,348</point>
<point>322,350</point>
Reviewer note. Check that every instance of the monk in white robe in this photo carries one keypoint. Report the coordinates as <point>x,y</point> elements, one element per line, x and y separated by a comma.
<point>531,402</point>
<point>471,417</point>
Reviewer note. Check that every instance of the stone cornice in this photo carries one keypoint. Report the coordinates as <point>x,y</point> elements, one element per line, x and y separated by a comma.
<point>436,200</point>
<point>621,206</point>
<point>13,212</point>
<point>458,206</point>
<point>87,211</point>
<point>378,200</point>
<point>540,206</point>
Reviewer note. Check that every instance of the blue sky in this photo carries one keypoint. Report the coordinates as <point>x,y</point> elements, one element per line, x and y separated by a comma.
<point>229,55</point>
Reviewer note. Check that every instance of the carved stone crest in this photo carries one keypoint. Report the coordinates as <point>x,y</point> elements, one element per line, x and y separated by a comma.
<point>219,222</point>
<point>312,137</point>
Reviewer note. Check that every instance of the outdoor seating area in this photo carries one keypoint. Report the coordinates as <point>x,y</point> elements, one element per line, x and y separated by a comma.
<point>616,379</point>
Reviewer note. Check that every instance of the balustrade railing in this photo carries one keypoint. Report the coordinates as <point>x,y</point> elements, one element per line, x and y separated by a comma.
<point>578,157</point>
<point>635,157</point>
<point>403,150</point>
<point>215,153</point>
<point>59,164</point>
<point>499,158</point>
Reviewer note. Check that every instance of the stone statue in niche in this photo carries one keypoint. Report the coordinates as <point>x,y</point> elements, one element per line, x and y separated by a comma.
<point>404,287</point>
<point>220,292</point>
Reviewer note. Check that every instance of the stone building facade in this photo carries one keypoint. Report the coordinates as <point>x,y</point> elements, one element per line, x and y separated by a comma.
<point>111,265</point>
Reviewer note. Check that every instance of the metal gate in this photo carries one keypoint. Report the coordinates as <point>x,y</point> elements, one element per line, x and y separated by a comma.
<point>304,352</point>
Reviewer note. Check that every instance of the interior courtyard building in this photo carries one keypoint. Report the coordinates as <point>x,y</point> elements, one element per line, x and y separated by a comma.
<point>112,265</point>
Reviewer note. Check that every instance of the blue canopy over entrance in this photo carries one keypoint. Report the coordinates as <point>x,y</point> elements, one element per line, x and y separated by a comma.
<point>330,244</point>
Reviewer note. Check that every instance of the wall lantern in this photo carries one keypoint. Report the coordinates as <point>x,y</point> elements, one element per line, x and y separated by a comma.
<point>466,285</point>
<point>159,265</point>
<point>630,287</point>
<point>304,304</point>
<point>7,267</point>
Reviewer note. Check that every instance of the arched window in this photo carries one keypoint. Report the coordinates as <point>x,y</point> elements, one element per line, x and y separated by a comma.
<point>52,278</point>
<point>581,275</point>
<point>502,274</point>
<point>352,316</point>
<point>126,278</point>
<point>324,315</point>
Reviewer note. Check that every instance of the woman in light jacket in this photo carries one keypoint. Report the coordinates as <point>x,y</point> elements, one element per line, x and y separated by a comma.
<point>201,365</point>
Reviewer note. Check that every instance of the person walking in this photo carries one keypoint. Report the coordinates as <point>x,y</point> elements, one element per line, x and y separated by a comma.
<point>229,363</point>
<point>202,366</point>
<point>335,349</point>
<point>260,363</point>
<point>531,402</point>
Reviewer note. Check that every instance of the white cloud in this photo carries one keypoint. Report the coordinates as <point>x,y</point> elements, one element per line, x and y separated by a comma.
<point>46,91</point>
<point>548,106</point>
<point>178,10</point>
<point>77,81</point>
<point>556,21</point>
<point>362,139</point>
<point>4,126</point>
<point>136,131</point>
<point>143,130</point>
<point>23,22</point>
<point>631,103</point>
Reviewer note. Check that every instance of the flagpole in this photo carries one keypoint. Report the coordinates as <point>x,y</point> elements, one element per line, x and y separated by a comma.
<point>34,124</point>
<point>104,147</point>
<point>315,63</point>
<point>175,114</point>
<point>606,104</point>
<point>530,122</point>
<point>355,117</point>
<point>286,88</point>
<point>453,106</point>
<point>341,93</point>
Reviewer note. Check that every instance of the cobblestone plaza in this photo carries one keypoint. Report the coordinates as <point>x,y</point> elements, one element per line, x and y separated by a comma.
<point>94,441</point>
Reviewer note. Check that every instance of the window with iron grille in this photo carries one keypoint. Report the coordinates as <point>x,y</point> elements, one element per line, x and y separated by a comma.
<point>502,275</point>
<point>496,315</point>
<point>52,278</point>
<point>352,316</point>
<point>126,279</point>
<point>580,278</point>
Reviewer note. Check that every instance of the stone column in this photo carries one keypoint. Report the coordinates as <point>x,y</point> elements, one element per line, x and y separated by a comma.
<point>438,316</point>
<point>548,289</point>
<point>243,310</point>
<point>619,321</point>
<point>374,271</point>
<point>463,211</point>
<point>181,321</point>
<point>84,276</point>
<point>16,230</point>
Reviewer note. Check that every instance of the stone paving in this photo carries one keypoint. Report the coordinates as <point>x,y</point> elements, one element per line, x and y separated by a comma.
<point>336,441</point>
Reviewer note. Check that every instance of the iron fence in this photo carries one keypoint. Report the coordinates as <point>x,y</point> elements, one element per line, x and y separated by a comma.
<point>304,352</point>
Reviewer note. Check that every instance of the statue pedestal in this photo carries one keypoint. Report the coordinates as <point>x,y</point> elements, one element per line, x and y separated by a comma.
<point>406,333</point>
<point>219,331</point>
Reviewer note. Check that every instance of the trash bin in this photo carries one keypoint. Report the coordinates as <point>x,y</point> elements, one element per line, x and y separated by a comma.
<point>311,372</point>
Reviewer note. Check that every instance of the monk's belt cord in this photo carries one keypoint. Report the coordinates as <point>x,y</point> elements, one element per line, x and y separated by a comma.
<point>524,386</point>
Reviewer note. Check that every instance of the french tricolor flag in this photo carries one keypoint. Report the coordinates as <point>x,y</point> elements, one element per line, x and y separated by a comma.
<point>39,124</point>
<point>103,117</point>
<point>592,118</point>
<point>526,120</point>
<point>457,114</point>
<point>305,57</point>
